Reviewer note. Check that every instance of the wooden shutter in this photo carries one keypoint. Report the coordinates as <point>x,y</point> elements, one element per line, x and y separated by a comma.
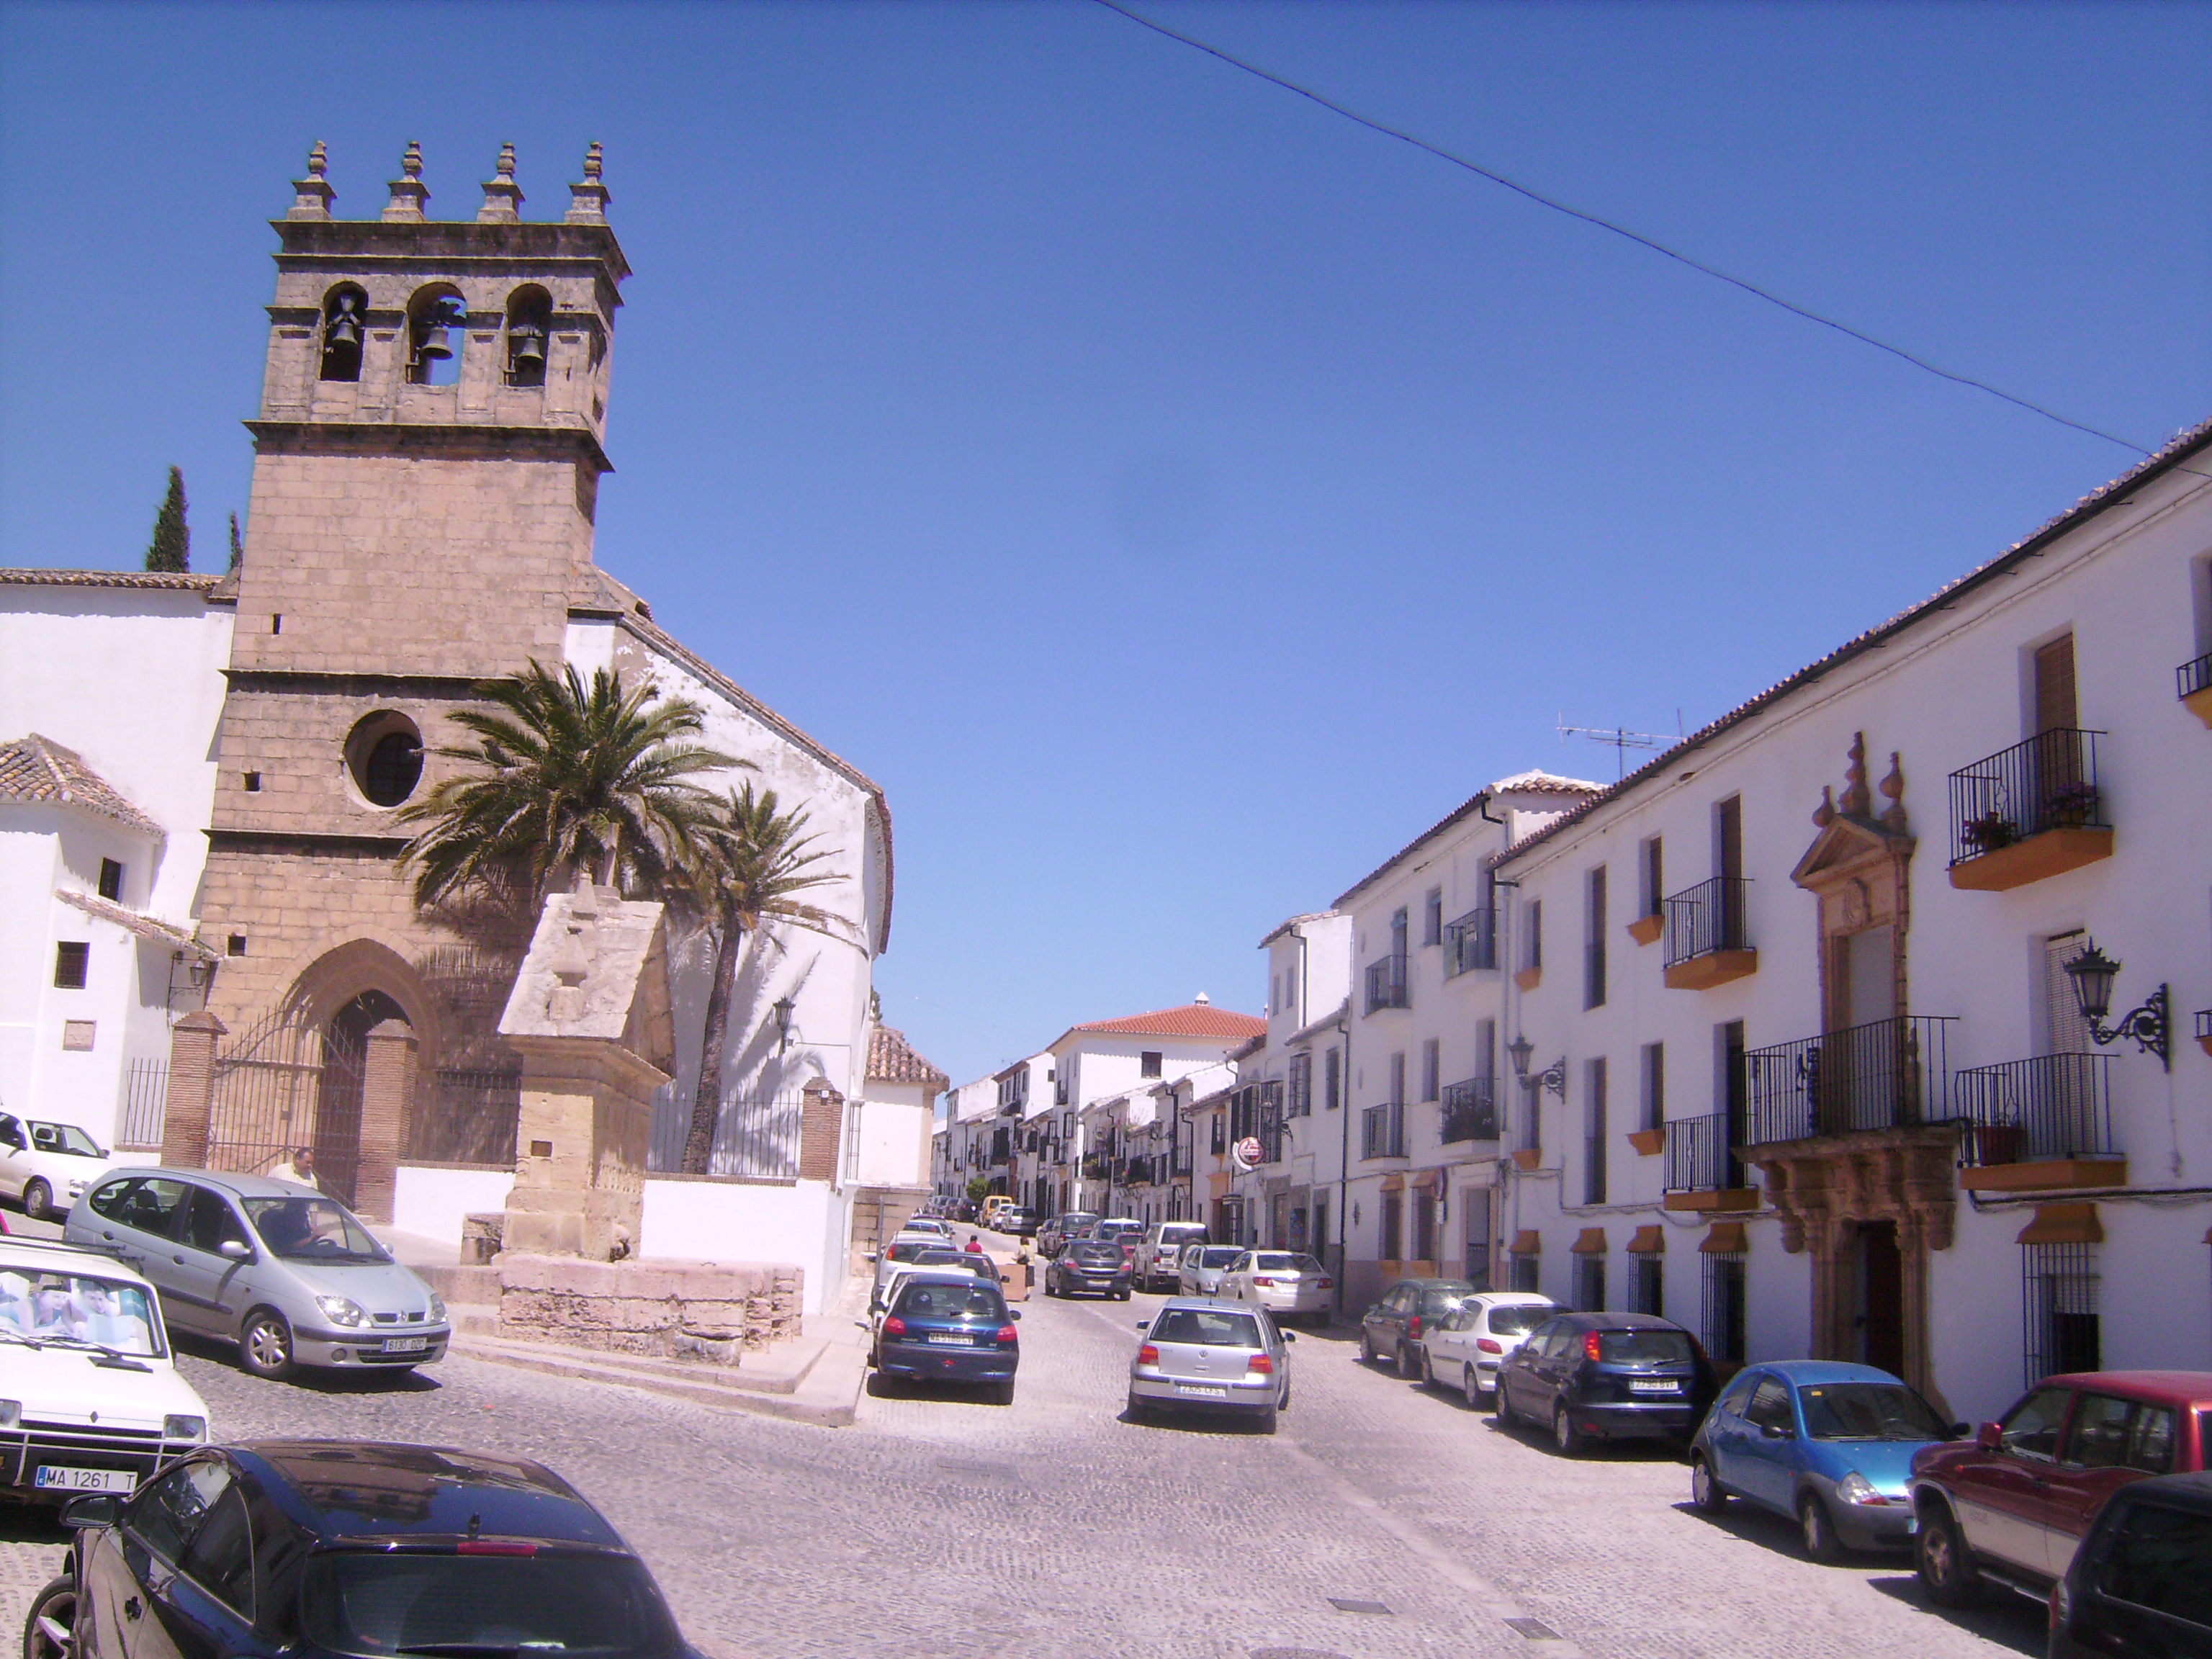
<point>2055,706</point>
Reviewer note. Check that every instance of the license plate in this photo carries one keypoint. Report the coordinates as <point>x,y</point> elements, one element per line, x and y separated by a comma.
<point>405,1343</point>
<point>50,1479</point>
<point>946,1340</point>
<point>1199,1391</point>
<point>1654,1385</point>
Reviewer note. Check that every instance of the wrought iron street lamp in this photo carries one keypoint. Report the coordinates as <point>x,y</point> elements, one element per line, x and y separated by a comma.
<point>784,1009</point>
<point>2093,974</point>
<point>1553,1077</point>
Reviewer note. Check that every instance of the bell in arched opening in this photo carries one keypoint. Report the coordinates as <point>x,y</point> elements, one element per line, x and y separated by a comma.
<point>342,335</point>
<point>431,336</point>
<point>529,320</point>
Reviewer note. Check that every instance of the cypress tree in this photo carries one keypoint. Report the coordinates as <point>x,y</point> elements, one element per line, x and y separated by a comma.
<point>172,546</point>
<point>237,547</point>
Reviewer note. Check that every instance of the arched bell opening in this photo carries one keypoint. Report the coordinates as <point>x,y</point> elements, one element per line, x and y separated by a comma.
<point>437,325</point>
<point>529,324</point>
<point>345,320</point>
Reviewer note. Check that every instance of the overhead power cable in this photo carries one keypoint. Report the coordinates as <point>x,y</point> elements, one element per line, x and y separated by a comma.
<point>1620,230</point>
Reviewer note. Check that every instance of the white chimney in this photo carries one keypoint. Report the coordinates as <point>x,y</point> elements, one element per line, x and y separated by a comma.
<point>1201,998</point>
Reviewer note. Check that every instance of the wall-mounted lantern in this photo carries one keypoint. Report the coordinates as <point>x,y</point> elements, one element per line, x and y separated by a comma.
<point>1553,1077</point>
<point>2093,974</point>
<point>784,1009</point>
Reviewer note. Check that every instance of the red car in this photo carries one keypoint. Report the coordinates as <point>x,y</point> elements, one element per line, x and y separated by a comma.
<point>2012,1504</point>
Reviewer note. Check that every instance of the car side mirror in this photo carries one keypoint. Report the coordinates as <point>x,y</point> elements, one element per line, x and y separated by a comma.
<point>237,1249</point>
<point>1990,1437</point>
<point>1289,1336</point>
<point>1962,1432</point>
<point>1777,1431</point>
<point>95,1509</point>
<point>1142,1323</point>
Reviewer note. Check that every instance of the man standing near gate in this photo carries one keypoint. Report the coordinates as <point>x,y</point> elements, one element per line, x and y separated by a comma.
<point>300,1170</point>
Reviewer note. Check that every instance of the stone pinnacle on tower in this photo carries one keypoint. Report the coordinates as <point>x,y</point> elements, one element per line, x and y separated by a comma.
<point>312,195</point>
<point>502,201</point>
<point>409,193</point>
<point>588,202</point>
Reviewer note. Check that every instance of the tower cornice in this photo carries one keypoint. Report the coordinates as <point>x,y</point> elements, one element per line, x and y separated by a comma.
<point>397,437</point>
<point>444,241</point>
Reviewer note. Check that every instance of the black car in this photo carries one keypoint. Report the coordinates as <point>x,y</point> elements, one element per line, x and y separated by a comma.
<point>1089,1266</point>
<point>944,1331</point>
<point>307,1547</point>
<point>1608,1376</point>
<point>1390,1332</point>
<point>2138,1587</point>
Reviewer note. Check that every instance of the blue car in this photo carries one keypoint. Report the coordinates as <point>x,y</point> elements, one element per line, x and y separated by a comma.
<point>943,1331</point>
<point>1829,1445</point>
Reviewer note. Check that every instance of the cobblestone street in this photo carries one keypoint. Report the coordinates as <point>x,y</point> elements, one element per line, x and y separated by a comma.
<point>944,1525</point>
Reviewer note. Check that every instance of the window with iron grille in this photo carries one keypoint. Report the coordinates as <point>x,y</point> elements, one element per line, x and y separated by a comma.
<point>1301,1104</point>
<point>1647,1291</point>
<point>1148,1063</point>
<point>1525,1273</point>
<point>72,965</point>
<point>1723,1321</point>
<point>111,880</point>
<point>1589,1283</point>
<point>2059,1299</point>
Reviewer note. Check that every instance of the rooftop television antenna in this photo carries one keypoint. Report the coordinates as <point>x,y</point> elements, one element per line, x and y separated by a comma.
<point>1621,738</point>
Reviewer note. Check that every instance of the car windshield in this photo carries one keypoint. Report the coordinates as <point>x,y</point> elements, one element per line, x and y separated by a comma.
<point>311,1229</point>
<point>1643,1347</point>
<point>64,1138</point>
<point>937,1300</point>
<point>1868,1411</point>
<point>468,1605</point>
<point>1517,1319</point>
<point>1203,1327</point>
<point>1119,1229</point>
<point>1219,1255</point>
<point>77,1308</point>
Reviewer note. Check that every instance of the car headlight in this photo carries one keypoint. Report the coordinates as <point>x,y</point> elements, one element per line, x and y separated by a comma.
<point>11,1413</point>
<point>437,1309</point>
<point>1856,1488</point>
<point>341,1311</point>
<point>177,1426</point>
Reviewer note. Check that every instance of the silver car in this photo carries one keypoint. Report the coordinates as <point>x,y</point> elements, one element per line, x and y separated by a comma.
<point>1202,1266</point>
<point>1285,1282</point>
<point>285,1272</point>
<point>1212,1356</point>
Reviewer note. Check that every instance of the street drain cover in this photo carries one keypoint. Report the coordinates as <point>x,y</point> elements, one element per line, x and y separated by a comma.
<point>1534,1629</point>
<point>972,1466</point>
<point>1345,1604</point>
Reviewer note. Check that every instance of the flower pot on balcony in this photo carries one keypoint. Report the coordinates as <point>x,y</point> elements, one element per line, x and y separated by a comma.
<point>1998,1143</point>
<point>2072,807</point>
<point>1990,831</point>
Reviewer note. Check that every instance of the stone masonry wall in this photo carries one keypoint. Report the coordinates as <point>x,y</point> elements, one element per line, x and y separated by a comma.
<point>663,1310</point>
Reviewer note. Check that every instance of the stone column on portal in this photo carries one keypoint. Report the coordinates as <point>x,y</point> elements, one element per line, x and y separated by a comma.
<point>821,1119</point>
<point>387,1093</point>
<point>188,1102</point>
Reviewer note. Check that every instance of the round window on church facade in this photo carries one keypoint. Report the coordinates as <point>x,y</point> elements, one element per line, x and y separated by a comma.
<point>384,758</point>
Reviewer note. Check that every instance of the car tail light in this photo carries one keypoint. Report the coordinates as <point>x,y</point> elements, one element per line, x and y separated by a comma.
<point>1269,1283</point>
<point>1413,1327</point>
<point>1591,1347</point>
<point>1326,1284</point>
<point>894,1326</point>
<point>1489,1345</point>
<point>1008,1333</point>
<point>1148,1355</point>
<point>1262,1363</point>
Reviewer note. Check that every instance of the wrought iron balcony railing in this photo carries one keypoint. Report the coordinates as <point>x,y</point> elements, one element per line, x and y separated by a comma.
<point>1470,1111</point>
<point>2049,782</point>
<point>2192,678</point>
<point>1887,1074</point>
<point>1700,1158</point>
<point>1471,942</point>
<point>1712,916</point>
<point>1386,984</point>
<point>2038,1110</point>
<point>1383,1131</point>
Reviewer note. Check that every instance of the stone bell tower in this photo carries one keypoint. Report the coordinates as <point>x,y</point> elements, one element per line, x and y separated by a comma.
<point>427,459</point>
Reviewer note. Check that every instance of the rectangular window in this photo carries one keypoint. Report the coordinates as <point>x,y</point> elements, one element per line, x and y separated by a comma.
<point>2059,1292</point>
<point>72,962</point>
<point>1594,946</point>
<point>1724,1306</point>
<point>1397,1079</point>
<point>1425,1227</point>
<point>1727,839</point>
<point>1652,883</point>
<point>111,880</point>
<point>1654,1085</point>
<point>1594,1136</point>
<point>1525,1273</point>
<point>1432,918</point>
<point>1485,1050</point>
<point>1148,1063</point>
<point>1648,1294</point>
<point>1291,990</point>
<point>1474,1219</point>
<point>1275,994</point>
<point>2055,708</point>
<point>1219,1142</point>
<point>1398,934</point>
<point>1589,1283</point>
<point>1432,1071</point>
<point>1393,1214</point>
<point>1332,1080</point>
<point>1532,952</point>
<point>1301,1085</point>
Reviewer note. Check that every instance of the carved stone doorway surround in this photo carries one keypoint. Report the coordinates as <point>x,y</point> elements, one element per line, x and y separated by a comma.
<point>1825,1187</point>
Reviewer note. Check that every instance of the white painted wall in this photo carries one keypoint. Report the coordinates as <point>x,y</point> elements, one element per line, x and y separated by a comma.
<point>741,1221</point>
<point>432,1203</point>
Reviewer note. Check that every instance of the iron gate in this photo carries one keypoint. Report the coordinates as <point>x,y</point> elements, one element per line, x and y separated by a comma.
<point>283,1085</point>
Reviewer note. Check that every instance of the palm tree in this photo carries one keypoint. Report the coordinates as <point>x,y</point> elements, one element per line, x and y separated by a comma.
<point>563,777</point>
<point>751,864</point>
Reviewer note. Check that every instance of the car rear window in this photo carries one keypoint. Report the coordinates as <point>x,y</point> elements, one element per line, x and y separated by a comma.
<point>1272,1262</point>
<point>1868,1411</point>
<point>1644,1348</point>
<point>1219,1255</point>
<point>1518,1320</point>
<point>571,1604</point>
<point>1096,1249</point>
<point>942,1299</point>
<point>1438,1301</point>
<point>2157,1561</point>
<point>1203,1327</point>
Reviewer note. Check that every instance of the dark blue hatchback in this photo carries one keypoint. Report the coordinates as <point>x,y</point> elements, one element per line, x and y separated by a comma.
<point>943,1332</point>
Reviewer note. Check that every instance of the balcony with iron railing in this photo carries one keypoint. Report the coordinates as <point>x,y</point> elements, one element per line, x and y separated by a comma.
<point>1892,1073</point>
<point>1705,1169</point>
<point>1470,1111</point>
<point>2194,681</point>
<point>1386,984</point>
<point>1383,1131</point>
<point>2038,1125</point>
<point>1709,935</point>
<point>1471,942</point>
<point>2029,811</point>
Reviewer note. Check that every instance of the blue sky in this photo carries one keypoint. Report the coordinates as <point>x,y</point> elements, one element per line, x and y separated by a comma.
<point>1174,495</point>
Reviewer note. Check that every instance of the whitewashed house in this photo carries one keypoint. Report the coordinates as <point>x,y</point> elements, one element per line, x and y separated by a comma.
<point>970,1118</point>
<point>1808,1067</point>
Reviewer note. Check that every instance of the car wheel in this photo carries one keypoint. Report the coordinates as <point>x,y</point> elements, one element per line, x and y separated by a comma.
<point>1947,1571</point>
<point>1136,1409</point>
<point>1564,1435</point>
<point>38,1201</point>
<point>1817,1530</point>
<point>50,1632</point>
<point>1504,1407</point>
<point>1706,1491</point>
<point>1284,1404</point>
<point>1406,1367</point>
<point>264,1344</point>
<point>1472,1389</point>
<point>1005,1394</point>
<point>1267,1420</point>
<point>1428,1370</point>
<point>1122,1295</point>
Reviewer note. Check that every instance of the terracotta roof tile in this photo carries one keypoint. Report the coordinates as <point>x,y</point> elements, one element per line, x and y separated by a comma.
<point>892,1059</point>
<point>176,935</point>
<point>36,770</point>
<point>1193,1019</point>
<point>184,581</point>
